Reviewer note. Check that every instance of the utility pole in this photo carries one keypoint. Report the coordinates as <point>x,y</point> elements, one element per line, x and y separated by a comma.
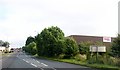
<point>119,17</point>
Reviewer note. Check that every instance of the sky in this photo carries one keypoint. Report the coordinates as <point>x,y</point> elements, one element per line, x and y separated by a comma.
<point>22,18</point>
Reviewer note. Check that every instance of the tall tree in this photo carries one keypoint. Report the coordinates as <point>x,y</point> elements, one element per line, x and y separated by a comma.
<point>71,47</point>
<point>47,41</point>
<point>1,42</point>
<point>116,47</point>
<point>29,40</point>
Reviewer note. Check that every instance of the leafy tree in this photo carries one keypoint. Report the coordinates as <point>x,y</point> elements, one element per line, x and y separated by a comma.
<point>71,47</point>
<point>31,48</point>
<point>29,40</point>
<point>48,41</point>
<point>1,42</point>
<point>84,47</point>
<point>6,44</point>
<point>116,47</point>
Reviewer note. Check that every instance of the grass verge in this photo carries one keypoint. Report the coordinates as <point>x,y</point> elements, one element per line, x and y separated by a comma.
<point>73,61</point>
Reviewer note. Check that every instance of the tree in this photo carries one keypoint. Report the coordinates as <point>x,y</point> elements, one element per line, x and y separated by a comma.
<point>29,40</point>
<point>116,47</point>
<point>6,44</point>
<point>31,48</point>
<point>71,47</point>
<point>84,47</point>
<point>48,41</point>
<point>1,42</point>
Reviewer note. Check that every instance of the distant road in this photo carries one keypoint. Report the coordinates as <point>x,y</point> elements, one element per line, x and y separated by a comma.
<point>22,61</point>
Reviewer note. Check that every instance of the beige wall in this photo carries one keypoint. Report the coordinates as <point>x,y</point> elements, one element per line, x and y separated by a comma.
<point>2,48</point>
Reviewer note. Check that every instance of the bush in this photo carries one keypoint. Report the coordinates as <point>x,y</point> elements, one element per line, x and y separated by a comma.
<point>84,47</point>
<point>50,42</point>
<point>61,56</point>
<point>71,48</point>
<point>116,47</point>
<point>118,63</point>
<point>80,57</point>
<point>31,48</point>
<point>102,59</point>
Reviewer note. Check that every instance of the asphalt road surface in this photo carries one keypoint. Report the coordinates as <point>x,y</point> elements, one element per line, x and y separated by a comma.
<point>22,61</point>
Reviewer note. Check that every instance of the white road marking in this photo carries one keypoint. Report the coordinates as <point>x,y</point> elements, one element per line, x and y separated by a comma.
<point>27,61</point>
<point>44,64</point>
<point>23,59</point>
<point>41,68</point>
<point>33,65</point>
<point>37,61</point>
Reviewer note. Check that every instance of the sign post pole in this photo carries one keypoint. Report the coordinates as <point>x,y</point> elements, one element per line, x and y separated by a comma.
<point>96,50</point>
<point>96,53</point>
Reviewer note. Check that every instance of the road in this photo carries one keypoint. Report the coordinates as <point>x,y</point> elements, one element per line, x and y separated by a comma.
<point>22,61</point>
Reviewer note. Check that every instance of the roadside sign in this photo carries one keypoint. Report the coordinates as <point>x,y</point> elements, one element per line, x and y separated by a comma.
<point>93,48</point>
<point>97,48</point>
<point>101,49</point>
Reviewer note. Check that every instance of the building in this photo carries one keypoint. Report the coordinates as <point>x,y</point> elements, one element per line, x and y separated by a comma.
<point>2,48</point>
<point>83,38</point>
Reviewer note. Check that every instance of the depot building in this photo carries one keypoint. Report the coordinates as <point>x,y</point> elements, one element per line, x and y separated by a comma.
<point>83,38</point>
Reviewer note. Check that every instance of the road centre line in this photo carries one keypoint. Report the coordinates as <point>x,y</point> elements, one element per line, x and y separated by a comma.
<point>44,64</point>
<point>33,65</point>
<point>23,59</point>
<point>30,63</point>
<point>37,61</point>
<point>27,61</point>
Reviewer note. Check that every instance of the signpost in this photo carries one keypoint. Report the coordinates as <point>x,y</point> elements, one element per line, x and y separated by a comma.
<point>97,49</point>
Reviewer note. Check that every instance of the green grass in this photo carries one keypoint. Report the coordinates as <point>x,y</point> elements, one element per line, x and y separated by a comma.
<point>73,61</point>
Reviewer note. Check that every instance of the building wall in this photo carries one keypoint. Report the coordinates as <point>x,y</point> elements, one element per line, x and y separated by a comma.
<point>82,38</point>
<point>2,48</point>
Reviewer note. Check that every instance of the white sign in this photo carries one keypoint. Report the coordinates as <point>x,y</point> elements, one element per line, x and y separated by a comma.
<point>97,48</point>
<point>93,48</point>
<point>106,39</point>
<point>101,49</point>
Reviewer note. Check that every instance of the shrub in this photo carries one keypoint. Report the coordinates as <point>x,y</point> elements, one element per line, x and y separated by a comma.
<point>71,48</point>
<point>80,57</point>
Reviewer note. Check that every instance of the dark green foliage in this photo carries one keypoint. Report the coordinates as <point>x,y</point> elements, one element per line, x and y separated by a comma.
<point>84,47</point>
<point>71,47</point>
<point>29,40</point>
<point>5,44</point>
<point>50,41</point>
<point>30,48</point>
<point>116,47</point>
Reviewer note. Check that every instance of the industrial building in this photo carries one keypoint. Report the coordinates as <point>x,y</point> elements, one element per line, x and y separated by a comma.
<point>84,38</point>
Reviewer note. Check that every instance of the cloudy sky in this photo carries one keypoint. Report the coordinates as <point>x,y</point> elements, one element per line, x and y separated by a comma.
<point>22,18</point>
